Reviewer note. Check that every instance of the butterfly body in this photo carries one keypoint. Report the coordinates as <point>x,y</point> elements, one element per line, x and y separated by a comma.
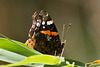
<point>43,35</point>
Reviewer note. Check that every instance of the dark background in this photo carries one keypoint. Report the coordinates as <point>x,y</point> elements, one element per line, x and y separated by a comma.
<point>83,37</point>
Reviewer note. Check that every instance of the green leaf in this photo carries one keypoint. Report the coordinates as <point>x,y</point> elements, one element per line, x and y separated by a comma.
<point>17,47</point>
<point>10,56</point>
<point>76,62</point>
<point>65,62</point>
<point>45,59</point>
<point>70,65</point>
<point>70,61</point>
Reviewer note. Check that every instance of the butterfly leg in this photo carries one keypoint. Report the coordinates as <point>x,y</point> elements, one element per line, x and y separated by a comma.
<point>63,45</point>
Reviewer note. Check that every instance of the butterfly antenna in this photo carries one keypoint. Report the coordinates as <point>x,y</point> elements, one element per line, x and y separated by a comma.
<point>69,26</point>
<point>63,33</point>
<point>64,41</point>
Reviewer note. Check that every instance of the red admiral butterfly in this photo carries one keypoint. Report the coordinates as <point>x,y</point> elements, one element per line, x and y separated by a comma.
<point>43,35</point>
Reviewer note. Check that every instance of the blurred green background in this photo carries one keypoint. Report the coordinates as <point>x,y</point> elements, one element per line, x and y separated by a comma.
<point>83,37</point>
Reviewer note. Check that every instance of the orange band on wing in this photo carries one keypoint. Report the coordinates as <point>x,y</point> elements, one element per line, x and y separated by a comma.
<point>49,33</point>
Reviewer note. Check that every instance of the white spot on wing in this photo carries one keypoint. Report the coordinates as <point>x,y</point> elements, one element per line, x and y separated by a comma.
<point>43,27</point>
<point>49,22</point>
<point>38,24</point>
<point>43,22</point>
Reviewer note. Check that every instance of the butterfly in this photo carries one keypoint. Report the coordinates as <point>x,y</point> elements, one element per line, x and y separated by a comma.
<point>43,35</point>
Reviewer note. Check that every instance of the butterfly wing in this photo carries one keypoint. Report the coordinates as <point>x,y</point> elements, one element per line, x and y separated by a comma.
<point>43,35</point>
